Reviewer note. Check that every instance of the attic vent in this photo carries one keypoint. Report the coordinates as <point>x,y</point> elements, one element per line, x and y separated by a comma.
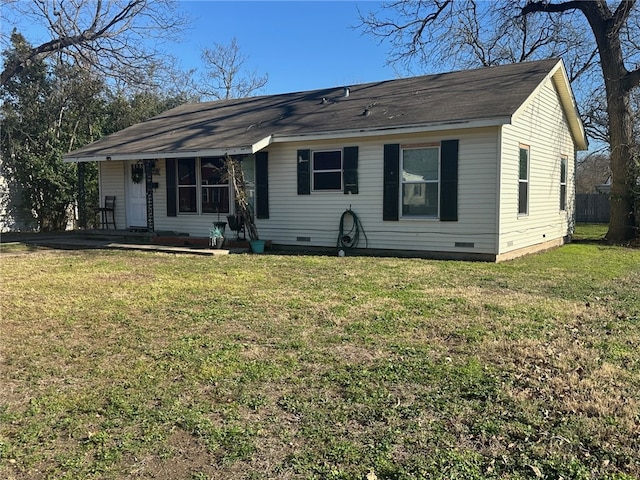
<point>346,91</point>
<point>324,100</point>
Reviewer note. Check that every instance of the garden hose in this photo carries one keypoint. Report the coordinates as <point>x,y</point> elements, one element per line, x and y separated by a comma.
<point>351,238</point>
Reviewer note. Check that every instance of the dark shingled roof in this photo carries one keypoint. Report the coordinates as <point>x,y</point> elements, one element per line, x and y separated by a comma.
<point>447,98</point>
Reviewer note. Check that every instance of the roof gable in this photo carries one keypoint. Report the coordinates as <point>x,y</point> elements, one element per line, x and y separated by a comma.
<point>560,80</point>
<point>492,94</point>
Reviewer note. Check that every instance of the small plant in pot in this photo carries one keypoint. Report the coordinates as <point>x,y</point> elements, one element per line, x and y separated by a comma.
<point>219,224</point>
<point>216,237</point>
<point>243,207</point>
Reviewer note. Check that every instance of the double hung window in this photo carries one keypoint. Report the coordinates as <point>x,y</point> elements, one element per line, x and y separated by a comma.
<point>187,185</point>
<point>215,188</point>
<point>523,181</point>
<point>563,183</point>
<point>421,181</point>
<point>202,187</point>
<point>327,170</point>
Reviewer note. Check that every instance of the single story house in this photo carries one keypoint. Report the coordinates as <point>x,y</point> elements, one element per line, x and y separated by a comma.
<point>474,164</point>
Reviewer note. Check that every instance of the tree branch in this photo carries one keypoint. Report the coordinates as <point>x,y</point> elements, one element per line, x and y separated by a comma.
<point>431,18</point>
<point>99,33</point>
<point>622,13</point>
<point>631,79</point>
<point>545,6</point>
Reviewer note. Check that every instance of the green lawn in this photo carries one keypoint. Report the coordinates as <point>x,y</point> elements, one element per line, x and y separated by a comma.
<point>148,365</point>
<point>590,232</point>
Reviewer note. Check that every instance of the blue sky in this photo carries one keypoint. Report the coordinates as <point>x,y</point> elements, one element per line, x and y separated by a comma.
<point>301,45</point>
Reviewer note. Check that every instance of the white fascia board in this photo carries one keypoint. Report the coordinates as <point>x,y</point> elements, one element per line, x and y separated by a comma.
<point>260,144</point>
<point>373,132</point>
<point>563,85</point>
<point>213,152</point>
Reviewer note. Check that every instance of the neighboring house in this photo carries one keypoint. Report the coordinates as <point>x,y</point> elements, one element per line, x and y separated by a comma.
<point>604,188</point>
<point>469,164</point>
<point>13,217</point>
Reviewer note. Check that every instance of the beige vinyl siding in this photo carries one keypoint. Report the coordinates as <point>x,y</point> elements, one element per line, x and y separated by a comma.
<point>295,218</point>
<point>112,183</point>
<point>160,219</point>
<point>195,224</point>
<point>542,126</point>
<point>314,219</point>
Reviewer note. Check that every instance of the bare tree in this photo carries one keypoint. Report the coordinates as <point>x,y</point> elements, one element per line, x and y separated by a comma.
<point>225,76</point>
<point>592,170</point>
<point>583,32</point>
<point>118,38</point>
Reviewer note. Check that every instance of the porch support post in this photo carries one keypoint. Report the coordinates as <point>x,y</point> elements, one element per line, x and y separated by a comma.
<point>82,197</point>
<point>148,177</point>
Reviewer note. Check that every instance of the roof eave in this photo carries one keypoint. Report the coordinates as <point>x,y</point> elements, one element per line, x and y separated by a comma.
<point>563,84</point>
<point>209,152</point>
<point>306,136</point>
<point>392,130</point>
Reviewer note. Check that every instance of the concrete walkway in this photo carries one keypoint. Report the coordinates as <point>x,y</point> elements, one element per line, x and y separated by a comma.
<point>96,240</point>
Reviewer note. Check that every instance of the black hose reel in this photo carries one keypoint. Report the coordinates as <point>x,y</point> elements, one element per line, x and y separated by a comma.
<point>351,238</point>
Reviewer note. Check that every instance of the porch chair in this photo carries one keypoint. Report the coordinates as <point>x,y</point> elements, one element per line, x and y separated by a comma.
<point>108,208</point>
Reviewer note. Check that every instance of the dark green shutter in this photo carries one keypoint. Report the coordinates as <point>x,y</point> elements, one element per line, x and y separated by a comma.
<point>350,168</point>
<point>172,187</point>
<point>391,186</point>
<point>449,181</point>
<point>262,185</point>
<point>304,172</point>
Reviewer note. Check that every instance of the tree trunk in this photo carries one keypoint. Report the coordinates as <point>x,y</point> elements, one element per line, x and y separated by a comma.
<point>621,223</point>
<point>606,29</point>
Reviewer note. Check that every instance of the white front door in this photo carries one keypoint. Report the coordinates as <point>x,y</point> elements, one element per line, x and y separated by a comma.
<point>136,196</point>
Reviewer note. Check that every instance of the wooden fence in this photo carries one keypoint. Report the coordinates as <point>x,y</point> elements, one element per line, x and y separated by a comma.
<point>592,208</point>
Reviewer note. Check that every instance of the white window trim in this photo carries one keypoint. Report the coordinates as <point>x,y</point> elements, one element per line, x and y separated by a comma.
<point>341,171</point>
<point>527,180</point>
<point>179,186</point>
<point>403,182</point>
<point>200,189</point>
<point>564,159</point>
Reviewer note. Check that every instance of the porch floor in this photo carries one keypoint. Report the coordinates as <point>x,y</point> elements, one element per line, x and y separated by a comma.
<point>120,240</point>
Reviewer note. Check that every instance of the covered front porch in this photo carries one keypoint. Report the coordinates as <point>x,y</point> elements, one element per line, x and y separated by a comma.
<point>169,242</point>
